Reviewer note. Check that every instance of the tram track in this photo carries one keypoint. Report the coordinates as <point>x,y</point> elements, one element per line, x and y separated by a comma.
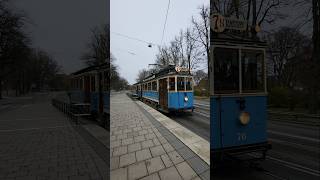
<point>289,146</point>
<point>293,148</point>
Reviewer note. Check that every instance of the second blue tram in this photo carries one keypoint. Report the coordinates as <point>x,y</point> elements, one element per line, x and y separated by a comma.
<point>91,85</point>
<point>171,89</point>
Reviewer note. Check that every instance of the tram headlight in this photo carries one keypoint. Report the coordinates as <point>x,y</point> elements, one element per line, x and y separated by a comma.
<point>244,118</point>
<point>186,99</point>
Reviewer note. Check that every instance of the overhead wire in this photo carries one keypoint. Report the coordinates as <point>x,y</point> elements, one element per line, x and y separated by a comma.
<point>165,22</point>
<point>133,38</point>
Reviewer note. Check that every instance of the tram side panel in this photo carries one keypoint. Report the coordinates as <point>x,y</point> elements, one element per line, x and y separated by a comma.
<point>227,130</point>
<point>106,102</point>
<point>94,97</point>
<point>180,100</point>
<point>151,95</point>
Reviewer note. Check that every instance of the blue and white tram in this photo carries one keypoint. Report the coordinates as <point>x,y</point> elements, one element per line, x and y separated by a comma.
<point>92,85</point>
<point>238,99</point>
<point>171,89</point>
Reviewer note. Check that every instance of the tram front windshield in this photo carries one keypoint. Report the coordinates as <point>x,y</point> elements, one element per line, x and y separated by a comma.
<point>227,71</point>
<point>184,84</point>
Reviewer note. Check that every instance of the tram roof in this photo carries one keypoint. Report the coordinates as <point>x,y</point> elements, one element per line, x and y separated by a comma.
<point>91,68</point>
<point>169,70</point>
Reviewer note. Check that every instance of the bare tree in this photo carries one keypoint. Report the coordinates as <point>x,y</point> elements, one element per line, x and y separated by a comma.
<point>202,29</point>
<point>284,46</point>
<point>142,75</point>
<point>311,67</point>
<point>199,75</point>
<point>12,40</point>
<point>184,51</point>
<point>193,49</point>
<point>98,47</point>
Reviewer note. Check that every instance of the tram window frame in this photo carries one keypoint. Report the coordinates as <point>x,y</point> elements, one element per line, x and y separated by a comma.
<point>181,87</point>
<point>189,79</point>
<point>106,84</point>
<point>149,86</point>
<point>172,87</point>
<point>154,85</point>
<point>234,73</point>
<point>260,86</point>
<point>92,83</point>
<point>78,84</point>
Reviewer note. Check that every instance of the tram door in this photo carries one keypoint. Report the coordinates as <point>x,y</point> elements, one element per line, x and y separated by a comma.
<point>163,93</point>
<point>87,89</point>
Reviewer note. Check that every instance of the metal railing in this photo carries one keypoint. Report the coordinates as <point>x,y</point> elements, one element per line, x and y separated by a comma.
<point>74,111</point>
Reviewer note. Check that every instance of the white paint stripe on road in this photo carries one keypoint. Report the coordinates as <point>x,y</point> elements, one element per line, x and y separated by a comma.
<point>197,144</point>
<point>296,167</point>
<point>294,136</point>
<point>31,129</point>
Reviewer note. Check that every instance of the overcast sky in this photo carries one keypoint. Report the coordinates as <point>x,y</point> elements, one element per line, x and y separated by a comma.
<point>62,27</point>
<point>144,19</point>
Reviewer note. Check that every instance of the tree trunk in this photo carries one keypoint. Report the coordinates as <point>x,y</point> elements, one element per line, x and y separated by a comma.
<point>313,103</point>
<point>208,64</point>
<point>316,30</point>
<point>254,18</point>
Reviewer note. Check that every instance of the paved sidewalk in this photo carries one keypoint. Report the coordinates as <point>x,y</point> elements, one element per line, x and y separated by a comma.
<point>39,142</point>
<point>143,149</point>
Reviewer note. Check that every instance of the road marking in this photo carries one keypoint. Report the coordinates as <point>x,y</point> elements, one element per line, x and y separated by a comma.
<point>294,136</point>
<point>296,167</point>
<point>31,129</point>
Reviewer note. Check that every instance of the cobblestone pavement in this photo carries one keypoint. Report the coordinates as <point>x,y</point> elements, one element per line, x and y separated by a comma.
<point>143,150</point>
<point>38,142</point>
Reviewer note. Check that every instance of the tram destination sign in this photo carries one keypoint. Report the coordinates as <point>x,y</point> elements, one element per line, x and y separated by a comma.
<point>220,23</point>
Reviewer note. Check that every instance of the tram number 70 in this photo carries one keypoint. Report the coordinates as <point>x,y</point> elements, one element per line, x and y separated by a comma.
<point>242,136</point>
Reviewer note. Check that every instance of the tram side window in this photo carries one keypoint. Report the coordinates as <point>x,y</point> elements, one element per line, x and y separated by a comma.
<point>154,86</point>
<point>149,86</point>
<point>106,84</point>
<point>172,83</point>
<point>80,82</point>
<point>252,64</point>
<point>145,86</point>
<point>93,83</point>
<point>189,84</point>
<point>180,84</point>
<point>226,70</point>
